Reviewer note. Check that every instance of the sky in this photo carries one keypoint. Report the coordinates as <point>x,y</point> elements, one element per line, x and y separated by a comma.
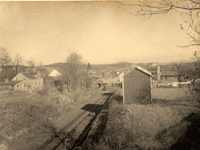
<point>102,32</point>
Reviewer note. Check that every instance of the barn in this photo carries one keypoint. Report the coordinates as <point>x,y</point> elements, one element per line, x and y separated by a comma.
<point>136,85</point>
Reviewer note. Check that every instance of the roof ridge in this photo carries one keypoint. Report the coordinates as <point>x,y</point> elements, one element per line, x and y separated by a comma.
<point>28,75</point>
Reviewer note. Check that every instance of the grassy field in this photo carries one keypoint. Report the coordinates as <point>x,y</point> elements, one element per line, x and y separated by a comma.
<point>170,93</point>
<point>27,117</point>
<point>155,126</point>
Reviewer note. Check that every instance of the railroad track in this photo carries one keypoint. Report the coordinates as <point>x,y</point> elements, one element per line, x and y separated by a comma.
<point>73,134</point>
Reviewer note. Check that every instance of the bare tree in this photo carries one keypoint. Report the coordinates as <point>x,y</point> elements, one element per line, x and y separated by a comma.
<point>18,62</point>
<point>73,63</point>
<point>5,58</point>
<point>181,70</point>
<point>189,8</point>
<point>88,68</point>
<point>5,61</point>
<point>31,63</point>
<point>40,64</point>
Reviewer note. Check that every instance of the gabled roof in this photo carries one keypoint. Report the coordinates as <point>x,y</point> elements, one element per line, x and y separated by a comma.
<point>140,69</point>
<point>55,73</point>
<point>10,83</point>
<point>143,70</point>
<point>28,75</point>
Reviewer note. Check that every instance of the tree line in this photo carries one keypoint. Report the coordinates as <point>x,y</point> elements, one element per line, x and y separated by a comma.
<point>10,67</point>
<point>73,74</point>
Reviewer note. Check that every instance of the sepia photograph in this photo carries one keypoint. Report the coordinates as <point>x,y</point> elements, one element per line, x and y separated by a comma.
<point>100,75</point>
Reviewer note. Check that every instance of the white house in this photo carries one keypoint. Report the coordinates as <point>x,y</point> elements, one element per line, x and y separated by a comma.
<point>54,73</point>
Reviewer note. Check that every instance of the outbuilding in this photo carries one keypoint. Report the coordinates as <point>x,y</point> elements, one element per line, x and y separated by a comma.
<point>12,85</point>
<point>136,85</point>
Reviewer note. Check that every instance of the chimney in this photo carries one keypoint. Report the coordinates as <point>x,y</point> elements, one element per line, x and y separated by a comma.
<point>158,72</point>
<point>6,80</point>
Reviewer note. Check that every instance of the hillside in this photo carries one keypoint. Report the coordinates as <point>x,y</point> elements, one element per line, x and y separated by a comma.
<point>93,66</point>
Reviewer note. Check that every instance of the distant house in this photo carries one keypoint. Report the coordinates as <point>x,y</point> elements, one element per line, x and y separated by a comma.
<point>166,76</point>
<point>9,84</point>
<point>169,76</point>
<point>27,81</point>
<point>137,85</point>
<point>154,69</point>
<point>54,73</point>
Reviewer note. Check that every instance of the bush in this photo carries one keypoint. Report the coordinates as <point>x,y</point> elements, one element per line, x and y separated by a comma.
<point>25,117</point>
<point>43,91</point>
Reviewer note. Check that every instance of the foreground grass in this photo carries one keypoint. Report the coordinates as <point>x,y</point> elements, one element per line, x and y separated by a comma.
<point>136,127</point>
<point>25,117</point>
<point>153,126</point>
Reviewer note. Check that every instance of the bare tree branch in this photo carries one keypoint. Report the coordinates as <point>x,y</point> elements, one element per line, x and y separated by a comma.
<point>194,2</point>
<point>18,62</point>
<point>4,56</point>
<point>189,45</point>
<point>31,63</point>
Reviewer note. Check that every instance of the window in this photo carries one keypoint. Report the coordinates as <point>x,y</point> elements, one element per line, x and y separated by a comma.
<point>165,78</point>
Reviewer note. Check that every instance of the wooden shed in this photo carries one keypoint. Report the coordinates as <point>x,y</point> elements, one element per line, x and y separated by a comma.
<point>136,85</point>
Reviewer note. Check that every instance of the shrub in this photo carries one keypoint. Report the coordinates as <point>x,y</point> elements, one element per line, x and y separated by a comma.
<point>43,91</point>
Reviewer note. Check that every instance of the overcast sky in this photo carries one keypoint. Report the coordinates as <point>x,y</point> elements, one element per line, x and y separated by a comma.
<point>100,32</point>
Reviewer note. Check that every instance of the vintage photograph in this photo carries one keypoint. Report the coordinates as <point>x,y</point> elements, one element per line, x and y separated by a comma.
<point>100,75</point>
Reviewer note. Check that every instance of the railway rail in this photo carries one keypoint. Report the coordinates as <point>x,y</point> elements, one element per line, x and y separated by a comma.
<point>78,126</point>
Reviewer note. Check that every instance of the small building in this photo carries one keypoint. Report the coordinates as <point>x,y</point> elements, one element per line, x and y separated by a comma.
<point>136,85</point>
<point>27,81</point>
<point>12,85</point>
<point>169,76</point>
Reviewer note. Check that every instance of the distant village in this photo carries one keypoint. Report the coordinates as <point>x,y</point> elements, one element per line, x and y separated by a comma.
<point>35,78</point>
